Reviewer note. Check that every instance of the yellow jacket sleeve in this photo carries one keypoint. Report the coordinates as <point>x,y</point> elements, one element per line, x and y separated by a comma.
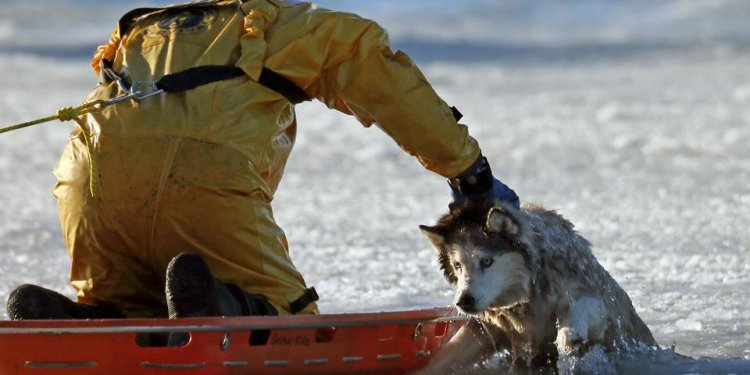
<point>346,62</point>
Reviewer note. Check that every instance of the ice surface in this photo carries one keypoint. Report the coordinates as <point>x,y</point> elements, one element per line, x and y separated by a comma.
<point>635,125</point>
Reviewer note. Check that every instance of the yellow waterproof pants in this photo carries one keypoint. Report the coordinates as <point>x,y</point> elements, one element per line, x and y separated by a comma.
<point>164,196</point>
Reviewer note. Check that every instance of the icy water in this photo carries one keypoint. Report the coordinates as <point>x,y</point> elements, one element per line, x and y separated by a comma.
<point>632,118</point>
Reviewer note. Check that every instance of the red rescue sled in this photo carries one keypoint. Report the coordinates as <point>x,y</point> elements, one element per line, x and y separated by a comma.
<point>383,343</point>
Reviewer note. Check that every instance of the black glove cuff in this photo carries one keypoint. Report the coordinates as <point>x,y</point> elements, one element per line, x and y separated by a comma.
<point>475,180</point>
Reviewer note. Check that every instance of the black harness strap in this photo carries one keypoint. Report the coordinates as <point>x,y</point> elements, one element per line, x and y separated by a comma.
<point>194,77</point>
<point>308,297</point>
<point>202,75</point>
<point>283,86</point>
<point>457,114</point>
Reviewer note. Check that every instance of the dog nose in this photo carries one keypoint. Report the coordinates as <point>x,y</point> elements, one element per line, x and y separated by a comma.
<point>466,302</point>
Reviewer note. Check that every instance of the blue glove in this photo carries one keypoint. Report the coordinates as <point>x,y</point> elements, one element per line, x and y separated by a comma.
<point>477,183</point>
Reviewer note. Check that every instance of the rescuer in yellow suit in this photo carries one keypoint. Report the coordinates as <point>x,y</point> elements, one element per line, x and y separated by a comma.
<point>196,171</point>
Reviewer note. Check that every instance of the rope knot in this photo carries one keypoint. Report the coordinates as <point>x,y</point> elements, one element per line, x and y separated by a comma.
<point>68,113</point>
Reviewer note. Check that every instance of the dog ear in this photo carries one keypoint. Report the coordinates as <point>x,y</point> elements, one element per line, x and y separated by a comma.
<point>500,221</point>
<point>435,235</point>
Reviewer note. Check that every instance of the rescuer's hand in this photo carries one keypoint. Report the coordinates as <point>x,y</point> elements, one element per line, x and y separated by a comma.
<point>477,183</point>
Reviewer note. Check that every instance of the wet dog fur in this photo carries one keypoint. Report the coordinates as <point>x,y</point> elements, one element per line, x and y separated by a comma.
<point>533,285</point>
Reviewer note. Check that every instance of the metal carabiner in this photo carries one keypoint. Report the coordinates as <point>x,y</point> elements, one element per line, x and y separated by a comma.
<point>116,99</point>
<point>144,89</point>
<point>143,86</point>
<point>140,95</point>
<point>134,93</point>
<point>110,73</point>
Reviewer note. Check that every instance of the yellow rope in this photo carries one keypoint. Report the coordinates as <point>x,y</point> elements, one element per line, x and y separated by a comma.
<point>68,114</point>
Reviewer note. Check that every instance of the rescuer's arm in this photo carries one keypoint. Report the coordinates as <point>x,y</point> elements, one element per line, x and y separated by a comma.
<point>346,62</point>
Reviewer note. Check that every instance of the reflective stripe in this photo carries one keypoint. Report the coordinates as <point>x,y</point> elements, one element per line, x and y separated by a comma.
<point>173,366</point>
<point>276,363</point>
<point>59,365</point>
<point>389,357</point>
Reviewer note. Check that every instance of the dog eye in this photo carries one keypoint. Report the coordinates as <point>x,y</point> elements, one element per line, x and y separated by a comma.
<point>485,262</point>
<point>457,266</point>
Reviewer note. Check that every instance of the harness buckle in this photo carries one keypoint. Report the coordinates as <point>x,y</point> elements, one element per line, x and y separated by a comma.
<point>144,89</point>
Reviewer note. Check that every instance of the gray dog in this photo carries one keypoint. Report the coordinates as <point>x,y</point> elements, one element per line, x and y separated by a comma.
<point>534,286</point>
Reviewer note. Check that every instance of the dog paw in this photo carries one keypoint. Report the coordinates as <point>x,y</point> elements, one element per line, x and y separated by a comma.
<point>569,340</point>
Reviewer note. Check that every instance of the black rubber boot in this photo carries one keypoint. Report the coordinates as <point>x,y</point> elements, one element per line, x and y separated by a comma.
<point>193,291</point>
<point>34,302</point>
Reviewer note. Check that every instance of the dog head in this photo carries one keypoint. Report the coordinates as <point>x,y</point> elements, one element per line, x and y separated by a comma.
<point>484,253</point>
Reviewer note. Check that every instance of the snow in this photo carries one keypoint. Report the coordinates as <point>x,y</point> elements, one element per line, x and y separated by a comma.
<point>634,124</point>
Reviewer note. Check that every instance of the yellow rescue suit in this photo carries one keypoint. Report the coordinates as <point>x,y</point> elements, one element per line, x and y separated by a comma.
<point>196,171</point>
